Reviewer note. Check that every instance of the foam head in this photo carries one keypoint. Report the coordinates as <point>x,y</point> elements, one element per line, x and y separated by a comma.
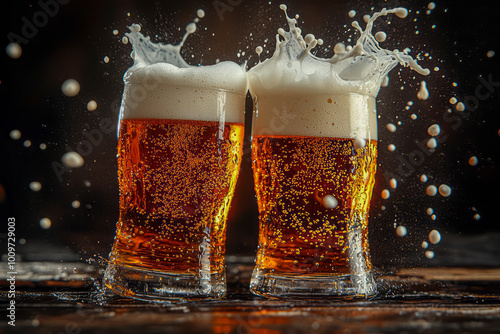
<point>162,85</point>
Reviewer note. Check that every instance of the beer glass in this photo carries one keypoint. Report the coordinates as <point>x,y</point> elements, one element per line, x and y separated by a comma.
<point>179,153</point>
<point>314,162</point>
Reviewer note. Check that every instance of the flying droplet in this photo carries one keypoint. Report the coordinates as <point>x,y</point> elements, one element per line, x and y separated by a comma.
<point>434,130</point>
<point>352,13</point>
<point>70,87</point>
<point>45,223</point>
<point>423,93</point>
<point>423,178</point>
<point>92,105</point>
<point>35,186</point>
<point>381,36</point>
<point>385,194</point>
<point>200,13</point>
<point>15,134</point>
<point>444,190</point>
<point>75,204</point>
<point>429,254</point>
<point>72,160</point>
<point>431,190</point>
<point>391,127</point>
<point>432,143</point>
<point>14,50</point>
<point>434,236</point>
<point>473,161</point>
<point>401,231</point>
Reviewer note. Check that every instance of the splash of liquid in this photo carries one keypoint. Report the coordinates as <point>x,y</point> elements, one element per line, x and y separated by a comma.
<point>358,69</point>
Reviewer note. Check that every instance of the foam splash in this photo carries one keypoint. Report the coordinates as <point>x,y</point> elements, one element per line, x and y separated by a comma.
<point>358,69</point>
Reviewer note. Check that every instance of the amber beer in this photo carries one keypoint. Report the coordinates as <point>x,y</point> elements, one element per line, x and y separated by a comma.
<point>314,175</point>
<point>179,153</point>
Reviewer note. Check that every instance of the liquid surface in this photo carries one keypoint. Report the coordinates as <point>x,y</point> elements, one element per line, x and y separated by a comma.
<point>300,233</point>
<point>176,182</point>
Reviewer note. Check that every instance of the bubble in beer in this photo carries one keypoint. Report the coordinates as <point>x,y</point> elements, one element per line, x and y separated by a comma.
<point>429,254</point>
<point>381,36</point>
<point>431,5</point>
<point>391,127</point>
<point>352,13</point>
<point>359,143</point>
<point>45,223</point>
<point>115,32</point>
<point>391,147</point>
<point>401,12</point>
<point>477,216</point>
<point>200,13</point>
<point>15,134</point>
<point>72,160</point>
<point>106,59</point>
<point>460,106</point>
<point>490,53</point>
<point>430,211</point>
<point>394,183</point>
<point>431,190</point>
<point>423,93</point>
<point>473,161</point>
<point>70,87</point>
<point>35,186</point>
<point>432,143</point>
<point>385,194</point>
<point>425,244</point>
<point>401,231</point>
<point>75,204</point>
<point>92,105</point>
<point>453,100</point>
<point>14,50</point>
<point>444,190</point>
<point>423,178</point>
<point>330,202</point>
<point>434,237</point>
<point>434,130</point>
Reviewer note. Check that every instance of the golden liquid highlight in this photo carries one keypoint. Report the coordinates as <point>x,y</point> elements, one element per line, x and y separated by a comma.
<point>298,234</point>
<point>176,179</point>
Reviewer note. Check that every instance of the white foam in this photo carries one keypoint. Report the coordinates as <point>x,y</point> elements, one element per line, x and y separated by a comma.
<point>162,85</point>
<point>318,115</point>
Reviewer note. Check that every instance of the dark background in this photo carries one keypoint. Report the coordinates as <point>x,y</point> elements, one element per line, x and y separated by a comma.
<point>74,42</point>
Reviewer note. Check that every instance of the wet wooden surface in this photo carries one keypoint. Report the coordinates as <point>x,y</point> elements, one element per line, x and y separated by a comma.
<point>65,298</point>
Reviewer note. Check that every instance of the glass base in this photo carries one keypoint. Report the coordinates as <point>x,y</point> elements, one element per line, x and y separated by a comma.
<point>345,287</point>
<point>163,287</point>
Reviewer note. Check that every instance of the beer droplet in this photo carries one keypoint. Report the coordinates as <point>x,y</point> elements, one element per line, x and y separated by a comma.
<point>490,53</point>
<point>401,12</point>
<point>432,143</point>
<point>125,40</point>
<point>45,223</point>
<point>14,50</point>
<point>381,36</point>
<point>391,127</point>
<point>433,217</point>
<point>70,87</point>
<point>430,211</point>
<point>352,13</point>
<point>75,204</point>
<point>72,160</point>
<point>431,190</point>
<point>460,106</point>
<point>259,50</point>
<point>453,100</point>
<point>423,178</point>
<point>425,244</point>
<point>391,147</point>
<point>401,231</point>
<point>27,143</point>
<point>394,183</point>
<point>92,105</point>
<point>434,236</point>
<point>423,93</point>
<point>444,190</point>
<point>200,13</point>
<point>473,160</point>
<point>385,194</point>
<point>136,27</point>
<point>367,18</point>
<point>35,186</point>
<point>434,130</point>
<point>15,134</point>
<point>106,59</point>
<point>431,5</point>
<point>115,32</point>
<point>413,116</point>
<point>359,143</point>
<point>429,254</point>
<point>330,202</point>
<point>477,216</point>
